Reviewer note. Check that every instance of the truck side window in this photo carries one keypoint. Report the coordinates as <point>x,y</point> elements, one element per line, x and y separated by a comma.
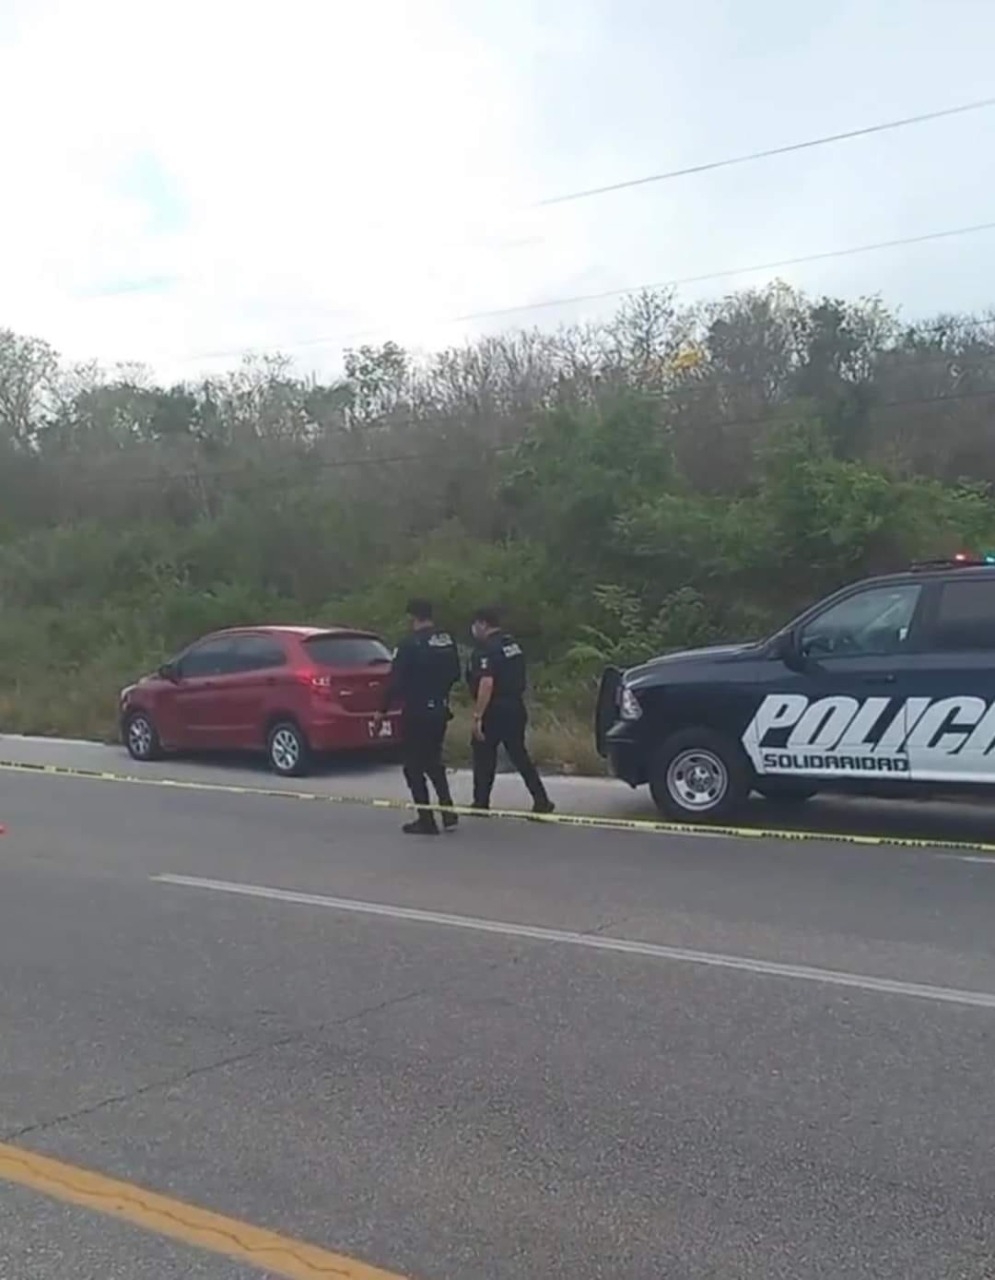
<point>875,621</point>
<point>965,617</point>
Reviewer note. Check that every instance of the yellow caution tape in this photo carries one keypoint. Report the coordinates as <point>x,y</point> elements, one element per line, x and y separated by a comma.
<point>647,826</point>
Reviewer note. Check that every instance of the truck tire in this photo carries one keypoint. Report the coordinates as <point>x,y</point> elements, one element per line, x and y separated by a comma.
<point>699,775</point>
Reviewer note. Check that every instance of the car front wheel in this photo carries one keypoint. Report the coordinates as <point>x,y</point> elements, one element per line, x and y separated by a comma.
<point>699,776</point>
<point>141,737</point>
<point>287,750</point>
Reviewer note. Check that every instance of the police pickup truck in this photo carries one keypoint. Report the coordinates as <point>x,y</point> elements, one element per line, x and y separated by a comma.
<point>886,688</point>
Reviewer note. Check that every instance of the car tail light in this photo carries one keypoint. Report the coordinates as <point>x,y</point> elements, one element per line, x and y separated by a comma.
<point>318,684</point>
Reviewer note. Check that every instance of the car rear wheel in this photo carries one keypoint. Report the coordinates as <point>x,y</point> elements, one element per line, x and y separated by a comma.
<point>141,737</point>
<point>699,776</point>
<point>287,750</point>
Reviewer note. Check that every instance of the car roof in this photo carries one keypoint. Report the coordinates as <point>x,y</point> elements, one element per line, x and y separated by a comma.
<point>926,572</point>
<point>302,633</point>
<point>923,573</point>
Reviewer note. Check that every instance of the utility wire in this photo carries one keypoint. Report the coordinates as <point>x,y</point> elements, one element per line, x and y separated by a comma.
<point>735,271</point>
<point>751,156</point>
<point>676,282</point>
<point>825,140</point>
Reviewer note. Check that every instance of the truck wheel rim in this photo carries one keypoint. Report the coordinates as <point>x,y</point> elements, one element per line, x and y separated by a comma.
<point>697,780</point>
<point>140,736</point>
<point>285,750</point>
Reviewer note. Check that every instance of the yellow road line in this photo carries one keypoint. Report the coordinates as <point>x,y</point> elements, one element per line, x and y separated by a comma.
<point>647,826</point>
<point>199,1228</point>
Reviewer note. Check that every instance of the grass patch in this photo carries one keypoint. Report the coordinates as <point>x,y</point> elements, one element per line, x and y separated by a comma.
<point>561,741</point>
<point>82,703</point>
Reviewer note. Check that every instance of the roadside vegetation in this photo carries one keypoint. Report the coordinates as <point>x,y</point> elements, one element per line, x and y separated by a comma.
<point>676,476</point>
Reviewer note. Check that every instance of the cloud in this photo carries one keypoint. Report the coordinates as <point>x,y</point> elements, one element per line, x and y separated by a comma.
<point>284,174</point>
<point>195,178</point>
<point>112,288</point>
<point>144,178</point>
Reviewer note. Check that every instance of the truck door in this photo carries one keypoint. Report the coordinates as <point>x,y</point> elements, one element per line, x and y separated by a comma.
<point>952,738</point>
<point>838,710</point>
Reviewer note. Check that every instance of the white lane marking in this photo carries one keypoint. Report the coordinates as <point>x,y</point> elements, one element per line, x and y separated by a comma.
<point>594,942</point>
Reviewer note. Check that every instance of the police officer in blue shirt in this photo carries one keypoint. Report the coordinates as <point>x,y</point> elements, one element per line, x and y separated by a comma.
<point>426,666</point>
<point>497,679</point>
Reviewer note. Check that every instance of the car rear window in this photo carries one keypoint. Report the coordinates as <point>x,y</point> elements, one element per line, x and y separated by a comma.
<point>347,651</point>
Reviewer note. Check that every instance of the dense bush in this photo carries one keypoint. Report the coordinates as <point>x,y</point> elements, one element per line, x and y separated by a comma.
<point>675,477</point>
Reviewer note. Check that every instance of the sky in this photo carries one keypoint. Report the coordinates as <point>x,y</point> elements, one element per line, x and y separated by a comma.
<point>192,181</point>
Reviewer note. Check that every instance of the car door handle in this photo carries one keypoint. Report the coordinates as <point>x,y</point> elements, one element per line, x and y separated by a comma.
<point>888,679</point>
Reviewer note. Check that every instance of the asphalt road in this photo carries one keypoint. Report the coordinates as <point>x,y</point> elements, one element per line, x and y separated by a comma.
<point>606,797</point>
<point>536,1087</point>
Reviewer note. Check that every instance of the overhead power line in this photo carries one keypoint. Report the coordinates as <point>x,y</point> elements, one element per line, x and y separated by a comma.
<point>767,154</point>
<point>675,282</point>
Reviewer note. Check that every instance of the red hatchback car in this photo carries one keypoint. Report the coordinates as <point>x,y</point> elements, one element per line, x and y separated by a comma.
<point>289,691</point>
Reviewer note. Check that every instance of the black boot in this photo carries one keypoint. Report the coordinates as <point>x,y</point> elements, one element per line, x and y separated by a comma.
<point>450,821</point>
<point>421,827</point>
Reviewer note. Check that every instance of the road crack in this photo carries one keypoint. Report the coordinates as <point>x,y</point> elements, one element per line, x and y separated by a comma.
<point>218,1064</point>
<point>281,1042</point>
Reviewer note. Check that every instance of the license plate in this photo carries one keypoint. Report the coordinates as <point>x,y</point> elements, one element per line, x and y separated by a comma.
<point>386,729</point>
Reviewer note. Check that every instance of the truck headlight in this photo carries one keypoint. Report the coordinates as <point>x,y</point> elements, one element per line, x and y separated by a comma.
<point>628,705</point>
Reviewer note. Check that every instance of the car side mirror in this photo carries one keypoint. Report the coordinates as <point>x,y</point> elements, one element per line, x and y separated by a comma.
<point>169,671</point>
<point>787,649</point>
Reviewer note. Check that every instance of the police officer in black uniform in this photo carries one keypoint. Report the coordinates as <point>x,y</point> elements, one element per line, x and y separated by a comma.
<point>426,666</point>
<point>496,677</point>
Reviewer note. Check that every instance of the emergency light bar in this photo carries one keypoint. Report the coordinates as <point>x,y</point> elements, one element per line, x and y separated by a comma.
<point>962,560</point>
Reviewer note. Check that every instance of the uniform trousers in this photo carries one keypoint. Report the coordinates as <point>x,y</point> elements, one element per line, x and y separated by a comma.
<point>504,725</point>
<point>423,733</point>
